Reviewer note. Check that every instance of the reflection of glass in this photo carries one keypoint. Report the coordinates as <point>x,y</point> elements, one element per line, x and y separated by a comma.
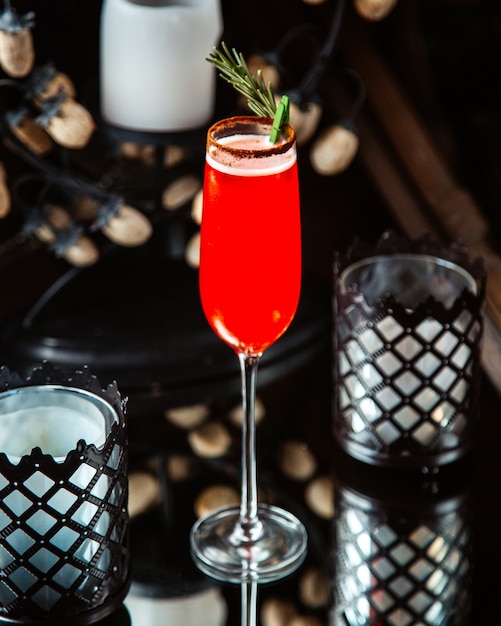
<point>402,552</point>
<point>248,615</point>
<point>407,336</point>
<point>250,277</point>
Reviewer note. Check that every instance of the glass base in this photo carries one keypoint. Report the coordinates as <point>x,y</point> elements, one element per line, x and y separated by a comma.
<point>278,549</point>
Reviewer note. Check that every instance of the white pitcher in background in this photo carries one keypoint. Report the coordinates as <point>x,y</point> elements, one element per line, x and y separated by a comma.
<point>153,72</point>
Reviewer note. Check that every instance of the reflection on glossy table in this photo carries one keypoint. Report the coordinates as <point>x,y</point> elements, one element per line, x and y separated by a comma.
<point>401,548</point>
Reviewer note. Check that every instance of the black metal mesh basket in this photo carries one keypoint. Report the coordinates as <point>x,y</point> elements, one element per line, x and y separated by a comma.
<point>407,378</point>
<point>64,542</point>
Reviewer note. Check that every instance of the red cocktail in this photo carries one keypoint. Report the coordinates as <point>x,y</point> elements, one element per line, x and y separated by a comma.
<point>250,268</point>
<point>250,280</point>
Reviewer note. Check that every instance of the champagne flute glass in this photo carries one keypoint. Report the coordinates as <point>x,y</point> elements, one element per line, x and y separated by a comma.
<point>250,281</point>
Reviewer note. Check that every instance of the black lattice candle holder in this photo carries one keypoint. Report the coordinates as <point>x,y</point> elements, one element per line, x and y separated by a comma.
<point>408,323</point>
<point>64,543</point>
<point>401,552</point>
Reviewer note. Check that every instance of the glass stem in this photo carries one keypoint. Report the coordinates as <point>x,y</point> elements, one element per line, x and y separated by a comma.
<point>250,526</point>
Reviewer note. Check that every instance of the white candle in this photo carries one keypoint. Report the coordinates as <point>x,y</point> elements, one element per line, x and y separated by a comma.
<point>154,76</point>
<point>53,418</point>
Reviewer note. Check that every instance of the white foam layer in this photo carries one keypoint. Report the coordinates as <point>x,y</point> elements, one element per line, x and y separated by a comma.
<point>275,163</point>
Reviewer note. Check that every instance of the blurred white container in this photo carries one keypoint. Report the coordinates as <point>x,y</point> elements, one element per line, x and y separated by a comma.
<point>153,72</point>
<point>207,607</point>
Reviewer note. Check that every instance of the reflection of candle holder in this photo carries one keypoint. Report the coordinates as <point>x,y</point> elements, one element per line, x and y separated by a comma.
<point>407,332</point>
<point>63,504</point>
<point>401,551</point>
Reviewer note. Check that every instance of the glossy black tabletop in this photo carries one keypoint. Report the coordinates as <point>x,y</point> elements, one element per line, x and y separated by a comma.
<point>385,547</point>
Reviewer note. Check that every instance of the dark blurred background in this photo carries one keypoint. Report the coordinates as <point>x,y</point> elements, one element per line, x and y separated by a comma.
<point>445,54</point>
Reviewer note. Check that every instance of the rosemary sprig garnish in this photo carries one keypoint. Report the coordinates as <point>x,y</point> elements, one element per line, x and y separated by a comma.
<point>234,70</point>
<point>260,97</point>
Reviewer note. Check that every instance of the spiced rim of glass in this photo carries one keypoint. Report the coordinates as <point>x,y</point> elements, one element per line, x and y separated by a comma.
<point>230,126</point>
